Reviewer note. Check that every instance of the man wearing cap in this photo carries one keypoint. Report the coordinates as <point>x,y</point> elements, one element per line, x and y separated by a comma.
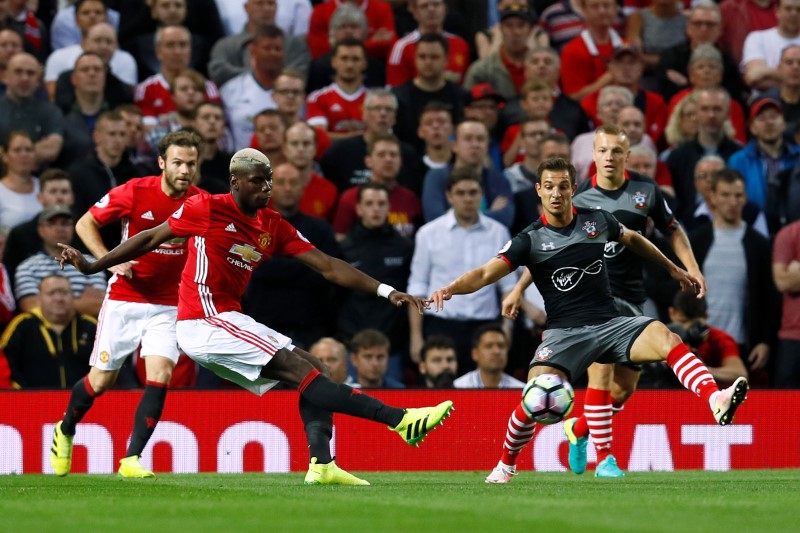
<point>626,68</point>
<point>767,153</point>
<point>57,225</point>
<point>483,105</point>
<point>584,58</point>
<point>505,69</point>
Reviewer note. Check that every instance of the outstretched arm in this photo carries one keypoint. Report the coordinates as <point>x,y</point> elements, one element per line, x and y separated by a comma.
<point>683,249</point>
<point>138,245</point>
<point>641,246</point>
<point>471,281</point>
<point>342,273</point>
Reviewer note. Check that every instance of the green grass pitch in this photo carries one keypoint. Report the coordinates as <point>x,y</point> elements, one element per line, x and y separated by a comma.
<point>412,502</point>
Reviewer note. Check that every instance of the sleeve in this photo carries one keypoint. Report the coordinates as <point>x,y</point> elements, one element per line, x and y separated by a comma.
<point>141,98</point>
<point>663,217</point>
<point>783,248</point>
<point>345,214</point>
<point>398,68</point>
<point>7,303</point>
<point>315,114</point>
<point>192,217</point>
<point>223,66</point>
<point>381,17</point>
<point>510,135</point>
<point>52,122</point>
<point>506,283</point>
<point>421,265</point>
<point>318,42</point>
<point>116,204</point>
<point>61,32</point>
<point>434,201</point>
<point>614,226</point>
<point>125,67</point>
<point>727,346</point>
<point>573,77</point>
<point>14,347</point>
<point>499,186</point>
<point>291,241</point>
<point>25,283</point>
<point>751,50</point>
<point>51,67</point>
<point>516,251</point>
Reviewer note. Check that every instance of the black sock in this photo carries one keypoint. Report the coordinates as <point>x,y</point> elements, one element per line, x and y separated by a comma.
<point>318,423</point>
<point>80,401</point>
<point>324,393</point>
<point>147,416</point>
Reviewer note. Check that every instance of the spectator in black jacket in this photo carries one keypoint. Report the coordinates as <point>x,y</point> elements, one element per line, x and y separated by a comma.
<point>735,259</point>
<point>284,279</point>
<point>374,246</point>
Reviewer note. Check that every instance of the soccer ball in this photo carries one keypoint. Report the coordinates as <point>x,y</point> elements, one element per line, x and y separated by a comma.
<point>547,398</point>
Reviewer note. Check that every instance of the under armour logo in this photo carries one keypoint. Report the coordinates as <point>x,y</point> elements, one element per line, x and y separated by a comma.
<point>548,246</point>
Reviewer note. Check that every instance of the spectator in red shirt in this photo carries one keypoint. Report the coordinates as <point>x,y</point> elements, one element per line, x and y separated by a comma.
<point>626,68</point>
<point>584,58</point>
<point>339,107</point>
<point>380,22</point>
<point>384,160</point>
<point>714,347</point>
<point>319,195</point>
<point>429,15</point>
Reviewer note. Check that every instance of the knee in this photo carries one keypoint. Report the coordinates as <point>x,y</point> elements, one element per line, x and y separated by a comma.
<point>101,382</point>
<point>161,373</point>
<point>621,392</point>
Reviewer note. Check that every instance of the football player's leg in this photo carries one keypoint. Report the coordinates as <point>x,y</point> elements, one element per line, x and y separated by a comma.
<point>657,343</point>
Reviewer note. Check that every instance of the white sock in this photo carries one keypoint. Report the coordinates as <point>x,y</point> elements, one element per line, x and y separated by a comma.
<point>712,400</point>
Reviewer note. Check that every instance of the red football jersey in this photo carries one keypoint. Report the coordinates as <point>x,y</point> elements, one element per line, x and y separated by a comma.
<point>154,97</point>
<point>402,61</point>
<point>141,204</point>
<point>225,247</point>
<point>332,109</point>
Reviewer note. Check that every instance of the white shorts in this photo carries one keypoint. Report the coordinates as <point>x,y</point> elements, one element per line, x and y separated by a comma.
<point>123,326</point>
<point>233,346</point>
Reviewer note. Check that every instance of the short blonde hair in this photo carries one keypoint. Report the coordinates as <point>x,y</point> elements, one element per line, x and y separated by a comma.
<point>247,159</point>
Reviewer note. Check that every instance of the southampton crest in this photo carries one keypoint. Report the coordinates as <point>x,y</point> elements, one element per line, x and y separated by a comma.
<point>639,200</point>
<point>590,227</point>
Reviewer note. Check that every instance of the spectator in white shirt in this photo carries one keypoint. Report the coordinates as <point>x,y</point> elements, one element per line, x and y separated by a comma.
<point>490,353</point>
<point>461,238</point>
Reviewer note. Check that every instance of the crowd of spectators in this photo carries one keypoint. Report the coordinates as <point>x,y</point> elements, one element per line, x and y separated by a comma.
<point>405,137</point>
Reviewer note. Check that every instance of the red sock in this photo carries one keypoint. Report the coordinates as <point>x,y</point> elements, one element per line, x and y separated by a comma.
<point>598,412</point>
<point>519,433</point>
<point>691,372</point>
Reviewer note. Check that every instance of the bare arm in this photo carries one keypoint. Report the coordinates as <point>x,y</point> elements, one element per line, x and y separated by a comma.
<point>138,245</point>
<point>88,229</point>
<point>342,273</point>
<point>683,249</point>
<point>415,337</point>
<point>641,246</point>
<point>48,148</point>
<point>731,369</point>
<point>759,75</point>
<point>596,85</point>
<point>472,281</point>
<point>787,277</point>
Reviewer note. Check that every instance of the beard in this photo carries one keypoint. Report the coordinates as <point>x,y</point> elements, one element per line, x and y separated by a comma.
<point>443,380</point>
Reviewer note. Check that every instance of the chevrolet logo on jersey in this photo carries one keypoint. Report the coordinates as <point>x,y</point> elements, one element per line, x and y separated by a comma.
<point>246,252</point>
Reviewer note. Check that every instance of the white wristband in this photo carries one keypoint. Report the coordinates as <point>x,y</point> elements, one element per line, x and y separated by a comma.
<point>385,290</point>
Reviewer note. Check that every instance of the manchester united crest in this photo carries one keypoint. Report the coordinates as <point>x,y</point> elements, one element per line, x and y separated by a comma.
<point>264,239</point>
<point>104,356</point>
<point>639,200</point>
<point>590,227</point>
